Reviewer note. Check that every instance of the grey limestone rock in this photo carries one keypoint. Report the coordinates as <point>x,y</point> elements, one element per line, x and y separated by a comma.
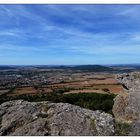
<point>127,107</point>
<point>22,118</point>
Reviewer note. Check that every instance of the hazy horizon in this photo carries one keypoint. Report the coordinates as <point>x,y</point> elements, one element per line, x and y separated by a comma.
<point>69,34</point>
<point>134,64</point>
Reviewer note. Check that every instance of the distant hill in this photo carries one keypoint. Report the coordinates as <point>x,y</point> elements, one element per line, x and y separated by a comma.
<point>86,68</point>
<point>94,68</point>
<point>7,67</point>
<point>90,68</point>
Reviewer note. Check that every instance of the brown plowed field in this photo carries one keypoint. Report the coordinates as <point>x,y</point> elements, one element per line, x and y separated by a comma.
<point>95,85</point>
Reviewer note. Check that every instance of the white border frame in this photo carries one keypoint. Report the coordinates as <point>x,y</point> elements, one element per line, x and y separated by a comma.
<point>69,1</point>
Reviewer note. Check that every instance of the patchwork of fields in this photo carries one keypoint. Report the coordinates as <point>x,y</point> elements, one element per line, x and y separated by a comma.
<point>101,83</point>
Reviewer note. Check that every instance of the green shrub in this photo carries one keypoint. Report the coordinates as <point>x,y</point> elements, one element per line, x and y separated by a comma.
<point>121,129</point>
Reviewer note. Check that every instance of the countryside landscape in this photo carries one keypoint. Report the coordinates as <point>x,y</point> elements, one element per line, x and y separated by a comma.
<point>69,70</point>
<point>93,87</point>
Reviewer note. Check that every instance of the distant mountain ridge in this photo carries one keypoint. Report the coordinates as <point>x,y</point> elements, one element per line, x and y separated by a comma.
<point>87,68</point>
<point>93,68</point>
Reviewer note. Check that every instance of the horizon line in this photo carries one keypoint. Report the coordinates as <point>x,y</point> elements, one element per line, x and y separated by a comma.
<point>64,64</point>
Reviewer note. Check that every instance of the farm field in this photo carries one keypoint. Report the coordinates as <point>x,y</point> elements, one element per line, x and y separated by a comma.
<point>101,83</point>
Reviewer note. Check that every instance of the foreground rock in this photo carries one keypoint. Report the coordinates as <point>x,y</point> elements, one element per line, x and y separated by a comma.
<point>127,106</point>
<point>43,118</point>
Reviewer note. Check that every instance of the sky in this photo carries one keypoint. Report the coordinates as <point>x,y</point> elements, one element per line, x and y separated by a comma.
<point>69,34</point>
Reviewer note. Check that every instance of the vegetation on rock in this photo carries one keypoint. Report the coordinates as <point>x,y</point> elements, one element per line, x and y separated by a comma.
<point>122,129</point>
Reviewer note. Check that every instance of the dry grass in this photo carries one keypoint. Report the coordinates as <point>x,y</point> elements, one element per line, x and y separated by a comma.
<point>86,91</point>
<point>23,90</point>
<point>112,88</point>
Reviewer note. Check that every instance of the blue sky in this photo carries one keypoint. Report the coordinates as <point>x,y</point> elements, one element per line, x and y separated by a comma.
<point>69,34</point>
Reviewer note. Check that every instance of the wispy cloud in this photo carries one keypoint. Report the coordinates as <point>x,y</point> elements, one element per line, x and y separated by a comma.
<point>59,32</point>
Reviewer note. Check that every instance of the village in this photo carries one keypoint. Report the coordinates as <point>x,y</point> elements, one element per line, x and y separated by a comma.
<point>34,81</point>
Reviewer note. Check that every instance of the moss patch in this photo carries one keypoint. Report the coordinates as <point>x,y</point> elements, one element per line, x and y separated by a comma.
<point>122,129</point>
<point>93,124</point>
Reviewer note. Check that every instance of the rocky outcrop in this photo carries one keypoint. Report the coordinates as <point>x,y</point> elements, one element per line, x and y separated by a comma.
<point>120,104</point>
<point>21,118</point>
<point>128,79</point>
<point>127,106</point>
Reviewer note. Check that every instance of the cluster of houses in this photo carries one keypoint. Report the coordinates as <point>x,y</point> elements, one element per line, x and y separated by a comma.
<point>11,81</point>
